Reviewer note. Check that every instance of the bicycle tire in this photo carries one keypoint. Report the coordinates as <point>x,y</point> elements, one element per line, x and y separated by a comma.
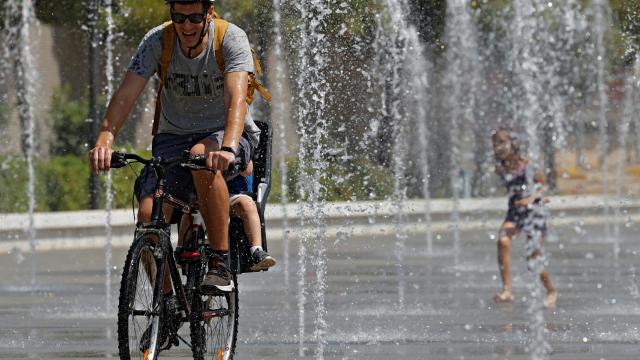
<point>130,342</point>
<point>206,329</point>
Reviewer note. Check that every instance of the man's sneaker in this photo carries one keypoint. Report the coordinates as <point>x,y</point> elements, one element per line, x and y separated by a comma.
<point>218,279</point>
<point>262,260</point>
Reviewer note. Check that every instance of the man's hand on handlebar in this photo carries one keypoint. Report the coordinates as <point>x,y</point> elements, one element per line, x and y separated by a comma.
<point>100,155</point>
<point>220,160</point>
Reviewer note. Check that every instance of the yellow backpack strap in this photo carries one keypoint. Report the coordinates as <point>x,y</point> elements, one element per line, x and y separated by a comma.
<point>254,84</point>
<point>219,29</point>
<point>168,44</point>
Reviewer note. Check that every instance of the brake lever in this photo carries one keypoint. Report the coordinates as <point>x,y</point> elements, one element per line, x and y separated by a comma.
<point>118,160</point>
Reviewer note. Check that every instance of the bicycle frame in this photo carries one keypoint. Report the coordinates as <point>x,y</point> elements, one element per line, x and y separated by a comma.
<point>160,228</point>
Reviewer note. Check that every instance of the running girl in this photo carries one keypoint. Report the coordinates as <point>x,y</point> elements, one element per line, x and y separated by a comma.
<point>526,211</point>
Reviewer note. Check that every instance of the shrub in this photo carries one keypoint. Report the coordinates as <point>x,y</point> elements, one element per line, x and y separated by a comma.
<point>61,184</point>
<point>13,185</point>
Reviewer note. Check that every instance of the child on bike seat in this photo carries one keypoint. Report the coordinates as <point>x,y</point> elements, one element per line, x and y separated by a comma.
<point>244,208</point>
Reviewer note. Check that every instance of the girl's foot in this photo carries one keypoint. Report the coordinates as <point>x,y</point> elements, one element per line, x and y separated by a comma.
<point>503,296</point>
<point>550,300</point>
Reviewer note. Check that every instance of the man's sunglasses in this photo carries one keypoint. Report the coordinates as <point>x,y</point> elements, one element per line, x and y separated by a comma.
<point>179,18</point>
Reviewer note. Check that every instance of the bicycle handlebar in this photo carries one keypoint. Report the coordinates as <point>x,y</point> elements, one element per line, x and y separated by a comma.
<point>193,162</point>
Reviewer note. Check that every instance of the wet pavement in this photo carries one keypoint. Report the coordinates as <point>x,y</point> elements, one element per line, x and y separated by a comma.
<point>447,312</point>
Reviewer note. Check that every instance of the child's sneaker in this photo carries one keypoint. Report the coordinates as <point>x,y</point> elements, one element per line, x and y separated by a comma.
<point>262,260</point>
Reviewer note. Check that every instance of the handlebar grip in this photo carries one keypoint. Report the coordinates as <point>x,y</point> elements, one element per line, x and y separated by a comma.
<point>118,160</point>
<point>198,160</point>
<point>200,163</point>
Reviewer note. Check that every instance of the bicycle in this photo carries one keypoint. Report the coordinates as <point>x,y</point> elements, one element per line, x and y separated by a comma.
<point>213,318</point>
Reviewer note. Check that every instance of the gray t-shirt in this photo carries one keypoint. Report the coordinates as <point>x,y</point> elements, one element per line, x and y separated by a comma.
<point>193,95</point>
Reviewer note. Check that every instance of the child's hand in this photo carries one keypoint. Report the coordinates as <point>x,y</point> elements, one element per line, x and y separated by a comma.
<point>524,202</point>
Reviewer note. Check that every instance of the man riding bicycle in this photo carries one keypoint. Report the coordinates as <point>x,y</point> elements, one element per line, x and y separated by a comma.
<point>203,111</point>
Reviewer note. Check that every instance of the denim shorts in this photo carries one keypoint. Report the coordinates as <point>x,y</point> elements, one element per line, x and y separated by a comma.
<point>179,182</point>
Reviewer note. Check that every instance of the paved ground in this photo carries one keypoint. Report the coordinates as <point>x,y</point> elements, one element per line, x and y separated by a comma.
<point>447,311</point>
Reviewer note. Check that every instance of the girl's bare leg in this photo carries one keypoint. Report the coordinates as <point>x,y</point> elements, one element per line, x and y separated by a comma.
<point>552,293</point>
<point>508,231</point>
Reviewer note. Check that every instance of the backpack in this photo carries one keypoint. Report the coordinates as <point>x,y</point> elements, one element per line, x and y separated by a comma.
<point>169,38</point>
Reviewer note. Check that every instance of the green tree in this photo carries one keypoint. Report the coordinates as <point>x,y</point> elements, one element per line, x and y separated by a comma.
<point>62,12</point>
<point>134,18</point>
<point>627,15</point>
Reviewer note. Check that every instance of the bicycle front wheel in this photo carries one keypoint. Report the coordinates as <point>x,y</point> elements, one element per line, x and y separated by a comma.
<point>214,325</point>
<point>139,303</point>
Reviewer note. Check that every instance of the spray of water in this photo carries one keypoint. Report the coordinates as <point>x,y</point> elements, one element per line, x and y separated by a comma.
<point>462,55</point>
<point>19,21</point>
<point>528,64</point>
<point>108,186</point>
<point>629,112</point>
<point>278,111</point>
<point>400,69</point>
<point>312,89</point>
<point>419,87</point>
<point>601,18</point>
<point>301,111</point>
<point>400,145</point>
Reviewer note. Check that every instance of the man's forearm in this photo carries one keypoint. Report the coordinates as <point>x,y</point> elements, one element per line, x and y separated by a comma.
<point>234,124</point>
<point>116,114</point>
<point>120,105</point>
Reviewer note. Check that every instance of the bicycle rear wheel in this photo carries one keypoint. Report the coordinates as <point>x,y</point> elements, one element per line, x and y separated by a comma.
<point>139,303</point>
<point>214,325</point>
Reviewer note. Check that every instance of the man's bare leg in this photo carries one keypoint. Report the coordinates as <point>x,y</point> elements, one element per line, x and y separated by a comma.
<point>505,238</point>
<point>213,199</point>
<point>213,203</point>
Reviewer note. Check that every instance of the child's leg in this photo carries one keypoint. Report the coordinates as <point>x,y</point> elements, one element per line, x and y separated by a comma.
<point>508,231</point>
<point>552,294</point>
<point>244,208</point>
